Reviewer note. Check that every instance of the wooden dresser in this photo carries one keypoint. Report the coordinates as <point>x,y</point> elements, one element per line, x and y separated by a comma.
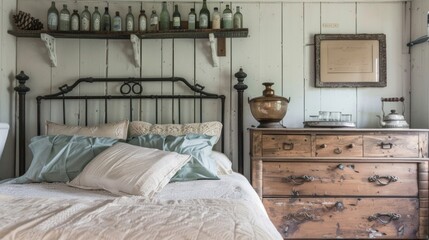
<point>343,183</point>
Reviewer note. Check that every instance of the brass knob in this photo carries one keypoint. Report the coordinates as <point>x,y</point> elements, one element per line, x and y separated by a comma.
<point>351,145</point>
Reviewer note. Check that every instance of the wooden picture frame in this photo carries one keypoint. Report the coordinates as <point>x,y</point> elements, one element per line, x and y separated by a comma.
<point>350,60</point>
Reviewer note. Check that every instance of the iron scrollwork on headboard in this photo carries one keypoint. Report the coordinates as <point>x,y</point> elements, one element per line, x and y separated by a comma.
<point>132,89</point>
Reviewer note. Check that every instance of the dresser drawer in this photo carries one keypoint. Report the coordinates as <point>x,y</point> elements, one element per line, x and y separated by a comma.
<point>331,218</point>
<point>286,146</point>
<point>391,145</point>
<point>339,179</point>
<point>338,146</point>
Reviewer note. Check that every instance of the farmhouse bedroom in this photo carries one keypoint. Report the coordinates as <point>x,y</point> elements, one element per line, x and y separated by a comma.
<point>250,119</point>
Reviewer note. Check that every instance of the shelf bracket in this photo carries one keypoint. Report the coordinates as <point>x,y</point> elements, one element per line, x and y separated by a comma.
<point>51,46</point>
<point>136,48</point>
<point>214,52</point>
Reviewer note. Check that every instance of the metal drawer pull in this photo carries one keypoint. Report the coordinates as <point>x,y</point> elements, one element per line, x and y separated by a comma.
<point>340,166</point>
<point>386,145</point>
<point>377,179</point>
<point>384,218</point>
<point>338,151</point>
<point>298,180</point>
<point>287,146</point>
<point>324,145</point>
<point>351,145</point>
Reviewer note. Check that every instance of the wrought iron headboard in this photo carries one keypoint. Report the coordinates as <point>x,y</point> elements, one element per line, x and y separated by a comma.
<point>131,89</point>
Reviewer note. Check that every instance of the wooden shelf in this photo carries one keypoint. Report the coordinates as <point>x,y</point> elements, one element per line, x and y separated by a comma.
<point>180,33</point>
<point>418,41</point>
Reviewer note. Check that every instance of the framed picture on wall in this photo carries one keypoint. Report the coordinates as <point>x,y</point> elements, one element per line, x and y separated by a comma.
<point>350,60</point>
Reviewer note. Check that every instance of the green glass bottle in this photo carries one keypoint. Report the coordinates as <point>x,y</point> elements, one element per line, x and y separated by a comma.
<point>85,20</point>
<point>192,18</point>
<point>96,20</point>
<point>164,18</point>
<point>75,21</point>
<point>142,21</point>
<point>238,19</point>
<point>204,17</point>
<point>105,21</point>
<point>117,23</point>
<point>227,18</point>
<point>216,19</point>
<point>64,19</point>
<point>177,21</point>
<point>154,21</point>
<point>53,17</point>
<point>129,20</point>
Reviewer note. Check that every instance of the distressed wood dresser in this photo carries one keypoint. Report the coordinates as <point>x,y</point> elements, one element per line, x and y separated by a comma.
<point>343,183</point>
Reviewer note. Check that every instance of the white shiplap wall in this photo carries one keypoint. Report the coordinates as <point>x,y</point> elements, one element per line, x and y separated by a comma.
<point>279,48</point>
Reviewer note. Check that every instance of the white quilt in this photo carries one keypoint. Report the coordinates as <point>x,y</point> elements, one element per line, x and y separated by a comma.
<point>208,212</point>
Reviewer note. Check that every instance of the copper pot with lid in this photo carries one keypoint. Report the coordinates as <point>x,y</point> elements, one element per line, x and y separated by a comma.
<point>269,109</point>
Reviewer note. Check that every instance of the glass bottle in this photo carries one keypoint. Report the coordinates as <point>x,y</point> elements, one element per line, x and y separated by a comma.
<point>96,20</point>
<point>154,21</point>
<point>227,18</point>
<point>238,19</point>
<point>85,20</point>
<point>142,21</point>
<point>176,18</point>
<point>105,21</point>
<point>216,19</point>
<point>117,23</point>
<point>52,17</point>
<point>75,21</point>
<point>192,17</point>
<point>204,16</point>
<point>129,20</point>
<point>64,19</point>
<point>164,22</point>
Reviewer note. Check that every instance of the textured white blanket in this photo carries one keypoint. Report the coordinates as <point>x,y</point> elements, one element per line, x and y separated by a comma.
<point>132,218</point>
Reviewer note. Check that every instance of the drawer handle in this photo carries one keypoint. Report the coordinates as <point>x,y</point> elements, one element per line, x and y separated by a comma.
<point>298,180</point>
<point>377,179</point>
<point>351,145</point>
<point>324,145</point>
<point>384,218</point>
<point>386,145</point>
<point>287,146</point>
<point>338,151</point>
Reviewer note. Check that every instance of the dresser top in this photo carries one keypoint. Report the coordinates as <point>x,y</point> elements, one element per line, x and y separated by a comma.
<point>339,129</point>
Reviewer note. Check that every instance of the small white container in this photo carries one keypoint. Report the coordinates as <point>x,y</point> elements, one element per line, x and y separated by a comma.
<point>4,129</point>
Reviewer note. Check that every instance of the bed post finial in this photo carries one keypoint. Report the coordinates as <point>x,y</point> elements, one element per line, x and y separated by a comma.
<point>21,89</point>
<point>240,87</point>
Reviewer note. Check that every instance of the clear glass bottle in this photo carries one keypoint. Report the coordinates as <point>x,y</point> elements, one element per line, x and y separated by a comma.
<point>85,20</point>
<point>204,17</point>
<point>64,19</point>
<point>105,21</point>
<point>53,17</point>
<point>129,20</point>
<point>192,18</point>
<point>154,21</point>
<point>177,20</point>
<point>117,23</point>
<point>164,18</point>
<point>238,18</point>
<point>216,19</point>
<point>96,20</point>
<point>142,21</point>
<point>75,21</point>
<point>227,18</point>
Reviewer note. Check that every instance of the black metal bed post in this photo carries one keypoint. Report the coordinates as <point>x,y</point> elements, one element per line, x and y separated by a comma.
<point>240,87</point>
<point>21,89</point>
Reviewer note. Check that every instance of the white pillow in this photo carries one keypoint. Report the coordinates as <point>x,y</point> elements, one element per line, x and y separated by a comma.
<point>128,169</point>
<point>137,128</point>
<point>224,165</point>
<point>116,130</point>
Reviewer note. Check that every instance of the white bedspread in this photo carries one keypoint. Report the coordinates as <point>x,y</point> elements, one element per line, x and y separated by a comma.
<point>224,209</point>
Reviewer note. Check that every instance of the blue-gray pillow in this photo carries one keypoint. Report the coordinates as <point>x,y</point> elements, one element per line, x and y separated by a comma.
<point>61,158</point>
<point>199,146</point>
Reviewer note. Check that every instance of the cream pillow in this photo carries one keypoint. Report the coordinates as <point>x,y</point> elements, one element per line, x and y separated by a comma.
<point>138,128</point>
<point>223,164</point>
<point>116,130</point>
<point>128,169</point>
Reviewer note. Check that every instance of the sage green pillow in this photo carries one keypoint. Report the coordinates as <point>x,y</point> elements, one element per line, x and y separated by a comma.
<point>61,158</point>
<point>199,146</point>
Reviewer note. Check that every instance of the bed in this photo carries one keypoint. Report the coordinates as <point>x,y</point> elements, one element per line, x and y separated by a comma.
<point>160,181</point>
